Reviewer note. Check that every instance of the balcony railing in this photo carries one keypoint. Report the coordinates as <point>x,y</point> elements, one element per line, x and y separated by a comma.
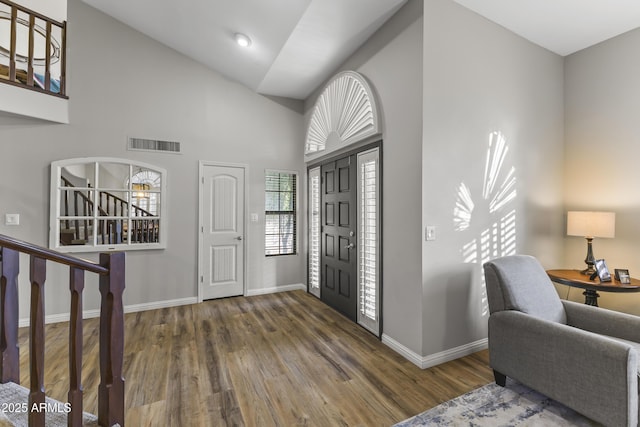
<point>32,50</point>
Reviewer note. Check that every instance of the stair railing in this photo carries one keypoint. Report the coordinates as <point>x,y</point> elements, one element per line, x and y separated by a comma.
<point>111,270</point>
<point>112,231</point>
<point>28,78</point>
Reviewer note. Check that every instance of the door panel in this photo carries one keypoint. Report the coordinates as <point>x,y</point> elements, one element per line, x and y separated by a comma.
<point>338,260</point>
<point>222,228</point>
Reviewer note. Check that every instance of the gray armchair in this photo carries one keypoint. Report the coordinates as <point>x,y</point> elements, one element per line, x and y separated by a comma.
<point>582,356</point>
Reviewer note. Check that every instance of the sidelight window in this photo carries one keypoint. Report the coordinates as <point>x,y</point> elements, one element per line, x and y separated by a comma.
<point>314,231</point>
<point>368,240</point>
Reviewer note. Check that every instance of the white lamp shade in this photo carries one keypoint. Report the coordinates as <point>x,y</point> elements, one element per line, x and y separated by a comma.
<point>591,224</point>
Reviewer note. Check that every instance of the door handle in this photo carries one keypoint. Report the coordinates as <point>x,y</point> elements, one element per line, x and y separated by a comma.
<point>238,238</point>
<point>350,246</point>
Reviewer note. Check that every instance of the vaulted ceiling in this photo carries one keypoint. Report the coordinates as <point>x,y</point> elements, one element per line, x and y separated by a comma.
<point>562,26</point>
<point>297,44</point>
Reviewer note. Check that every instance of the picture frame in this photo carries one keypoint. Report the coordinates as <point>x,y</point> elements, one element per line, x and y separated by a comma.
<point>602,270</point>
<point>622,275</point>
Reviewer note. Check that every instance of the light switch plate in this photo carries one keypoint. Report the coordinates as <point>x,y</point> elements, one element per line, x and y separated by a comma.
<point>12,219</point>
<point>430,233</point>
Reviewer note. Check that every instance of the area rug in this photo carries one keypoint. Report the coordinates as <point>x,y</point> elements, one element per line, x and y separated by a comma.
<point>492,405</point>
<point>14,409</point>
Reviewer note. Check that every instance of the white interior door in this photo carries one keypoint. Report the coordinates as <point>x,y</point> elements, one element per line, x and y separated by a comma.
<point>221,251</point>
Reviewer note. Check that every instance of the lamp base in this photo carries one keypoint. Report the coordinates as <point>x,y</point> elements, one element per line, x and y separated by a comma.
<point>588,271</point>
<point>590,260</point>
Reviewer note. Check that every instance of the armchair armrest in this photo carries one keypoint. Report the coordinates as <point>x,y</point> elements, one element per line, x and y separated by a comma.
<point>593,374</point>
<point>603,321</point>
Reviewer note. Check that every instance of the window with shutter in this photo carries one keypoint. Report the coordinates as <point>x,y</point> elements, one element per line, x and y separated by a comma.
<point>314,231</point>
<point>368,239</point>
<point>280,213</point>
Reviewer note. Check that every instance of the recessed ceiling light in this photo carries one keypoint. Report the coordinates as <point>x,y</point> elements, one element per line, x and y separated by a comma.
<point>243,40</point>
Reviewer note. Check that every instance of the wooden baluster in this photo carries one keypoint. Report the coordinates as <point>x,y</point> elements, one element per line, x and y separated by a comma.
<point>75,212</point>
<point>36,341</point>
<point>12,44</point>
<point>85,208</point>
<point>134,232</point>
<point>66,208</point>
<point>111,389</point>
<point>32,24</point>
<point>9,351</point>
<point>47,65</point>
<point>76,285</point>
<point>63,60</point>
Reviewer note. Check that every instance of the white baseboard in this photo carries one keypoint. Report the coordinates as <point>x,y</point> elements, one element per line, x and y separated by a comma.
<point>285,288</point>
<point>88,314</point>
<point>424,362</point>
<point>405,352</point>
<point>454,353</point>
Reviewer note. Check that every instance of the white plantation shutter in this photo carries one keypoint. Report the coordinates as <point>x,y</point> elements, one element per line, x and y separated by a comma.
<point>280,213</point>
<point>368,240</point>
<point>314,231</point>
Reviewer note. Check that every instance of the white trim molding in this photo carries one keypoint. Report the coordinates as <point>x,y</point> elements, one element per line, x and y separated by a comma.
<point>424,362</point>
<point>274,289</point>
<point>134,308</point>
<point>89,314</point>
<point>346,112</point>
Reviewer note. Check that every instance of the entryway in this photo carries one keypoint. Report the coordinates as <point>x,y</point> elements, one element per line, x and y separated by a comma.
<point>345,233</point>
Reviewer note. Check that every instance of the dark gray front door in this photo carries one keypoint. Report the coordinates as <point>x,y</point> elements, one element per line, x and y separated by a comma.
<point>338,261</point>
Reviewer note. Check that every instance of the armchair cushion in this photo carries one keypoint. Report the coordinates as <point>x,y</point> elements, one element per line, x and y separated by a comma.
<point>518,282</point>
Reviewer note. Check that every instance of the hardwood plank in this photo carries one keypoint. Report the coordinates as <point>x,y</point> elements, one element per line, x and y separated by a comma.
<point>272,360</point>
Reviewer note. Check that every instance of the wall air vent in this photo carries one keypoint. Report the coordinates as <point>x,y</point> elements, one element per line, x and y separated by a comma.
<point>140,144</point>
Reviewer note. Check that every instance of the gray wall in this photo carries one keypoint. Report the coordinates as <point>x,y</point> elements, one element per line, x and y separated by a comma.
<point>602,93</point>
<point>480,78</point>
<point>121,83</point>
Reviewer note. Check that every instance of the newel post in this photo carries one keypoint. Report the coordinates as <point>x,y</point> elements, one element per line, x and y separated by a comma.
<point>111,389</point>
<point>9,351</point>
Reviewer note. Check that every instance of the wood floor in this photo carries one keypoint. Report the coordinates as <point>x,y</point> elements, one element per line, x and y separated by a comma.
<point>281,359</point>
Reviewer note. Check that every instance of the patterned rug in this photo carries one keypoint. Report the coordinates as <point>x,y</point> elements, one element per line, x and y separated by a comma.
<point>492,405</point>
<point>14,409</point>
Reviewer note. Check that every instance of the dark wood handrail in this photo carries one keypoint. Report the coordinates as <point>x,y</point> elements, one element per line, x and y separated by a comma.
<point>25,78</point>
<point>32,12</point>
<point>102,211</point>
<point>136,207</point>
<point>111,270</point>
<point>40,252</point>
<point>144,224</point>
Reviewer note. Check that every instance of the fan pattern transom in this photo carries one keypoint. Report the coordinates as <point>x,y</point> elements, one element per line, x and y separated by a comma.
<point>344,113</point>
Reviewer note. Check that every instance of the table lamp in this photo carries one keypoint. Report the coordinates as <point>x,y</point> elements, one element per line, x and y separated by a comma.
<point>590,225</point>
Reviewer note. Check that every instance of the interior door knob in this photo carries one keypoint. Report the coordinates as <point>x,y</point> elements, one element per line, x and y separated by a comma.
<point>238,238</point>
<point>350,246</point>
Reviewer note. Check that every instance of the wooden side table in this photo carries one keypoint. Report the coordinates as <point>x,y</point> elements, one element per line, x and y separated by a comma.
<point>576,279</point>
